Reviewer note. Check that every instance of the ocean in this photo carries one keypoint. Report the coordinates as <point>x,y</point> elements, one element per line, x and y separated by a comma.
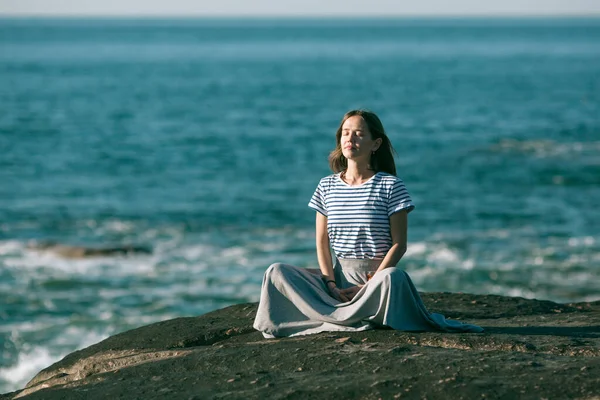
<point>204,140</point>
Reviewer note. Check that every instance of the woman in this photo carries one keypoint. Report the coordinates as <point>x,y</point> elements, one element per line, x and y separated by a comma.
<point>362,215</point>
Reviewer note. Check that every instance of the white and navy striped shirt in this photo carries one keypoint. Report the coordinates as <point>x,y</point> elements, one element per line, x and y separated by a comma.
<point>358,216</point>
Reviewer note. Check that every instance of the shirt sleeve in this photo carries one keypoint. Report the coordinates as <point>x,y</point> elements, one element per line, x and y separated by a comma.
<point>399,199</point>
<point>317,202</point>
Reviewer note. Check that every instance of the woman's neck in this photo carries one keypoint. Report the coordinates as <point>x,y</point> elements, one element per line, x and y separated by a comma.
<point>356,173</point>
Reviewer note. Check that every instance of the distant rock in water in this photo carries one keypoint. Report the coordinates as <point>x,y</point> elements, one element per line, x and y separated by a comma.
<point>69,251</point>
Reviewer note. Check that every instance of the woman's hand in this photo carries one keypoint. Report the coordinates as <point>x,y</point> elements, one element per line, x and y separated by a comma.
<point>350,292</point>
<point>336,293</point>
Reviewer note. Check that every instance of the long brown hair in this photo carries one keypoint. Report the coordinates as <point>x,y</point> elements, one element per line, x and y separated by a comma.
<point>381,161</point>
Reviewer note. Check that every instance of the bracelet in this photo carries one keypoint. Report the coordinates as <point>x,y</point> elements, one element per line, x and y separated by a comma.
<point>330,280</point>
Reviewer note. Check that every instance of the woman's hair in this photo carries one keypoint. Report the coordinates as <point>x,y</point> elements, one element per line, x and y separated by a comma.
<point>381,161</point>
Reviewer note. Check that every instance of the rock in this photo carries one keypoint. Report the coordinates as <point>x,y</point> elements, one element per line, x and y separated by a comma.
<point>342,340</point>
<point>529,350</point>
<point>67,251</point>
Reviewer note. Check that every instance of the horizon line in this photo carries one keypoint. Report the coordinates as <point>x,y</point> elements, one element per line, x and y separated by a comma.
<point>303,16</point>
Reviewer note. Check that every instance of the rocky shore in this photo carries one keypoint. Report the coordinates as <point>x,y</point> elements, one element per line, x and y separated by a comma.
<point>530,350</point>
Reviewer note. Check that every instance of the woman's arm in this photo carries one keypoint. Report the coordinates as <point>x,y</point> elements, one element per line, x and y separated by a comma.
<point>399,232</point>
<point>323,250</point>
<point>324,257</point>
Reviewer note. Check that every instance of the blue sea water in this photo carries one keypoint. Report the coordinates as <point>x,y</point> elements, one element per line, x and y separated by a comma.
<point>205,139</point>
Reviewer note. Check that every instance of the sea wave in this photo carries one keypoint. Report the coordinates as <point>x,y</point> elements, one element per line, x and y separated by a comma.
<point>544,148</point>
<point>33,358</point>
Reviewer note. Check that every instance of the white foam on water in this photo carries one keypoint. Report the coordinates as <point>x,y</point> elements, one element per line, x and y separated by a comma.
<point>17,225</point>
<point>439,255</point>
<point>28,326</point>
<point>96,266</point>
<point>286,232</point>
<point>252,255</point>
<point>11,248</point>
<point>84,337</point>
<point>419,275</point>
<point>505,266</point>
<point>548,148</point>
<point>497,233</point>
<point>586,241</point>
<point>238,253</point>
<point>499,289</point>
<point>433,253</point>
<point>468,264</point>
<point>442,255</point>
<point>202,257</point>
<point>28,364</point>
<point>590,298</point>
<point>196,252</point>
<point>142,320</point>
<point>517,292</point>
<point>118,226</point>
<point>415,249</point>
<point>567,283</point>
<point>32,359</point>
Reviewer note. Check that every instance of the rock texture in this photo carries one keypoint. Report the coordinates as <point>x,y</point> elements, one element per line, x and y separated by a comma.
<point>531,350</point>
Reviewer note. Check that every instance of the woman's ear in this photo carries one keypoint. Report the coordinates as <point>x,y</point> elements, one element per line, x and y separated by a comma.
<point>377,144</point>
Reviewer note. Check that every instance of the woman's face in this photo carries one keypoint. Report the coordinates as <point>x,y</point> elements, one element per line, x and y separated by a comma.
<point>356,140</point>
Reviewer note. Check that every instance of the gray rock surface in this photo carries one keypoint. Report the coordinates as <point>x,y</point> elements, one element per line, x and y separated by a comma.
<point>531,350</point>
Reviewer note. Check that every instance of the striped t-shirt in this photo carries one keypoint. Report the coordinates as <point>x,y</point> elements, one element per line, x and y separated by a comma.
<point>358,216</point>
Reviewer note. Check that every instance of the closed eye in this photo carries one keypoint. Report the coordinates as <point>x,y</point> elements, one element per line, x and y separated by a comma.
<point>346,132</point>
